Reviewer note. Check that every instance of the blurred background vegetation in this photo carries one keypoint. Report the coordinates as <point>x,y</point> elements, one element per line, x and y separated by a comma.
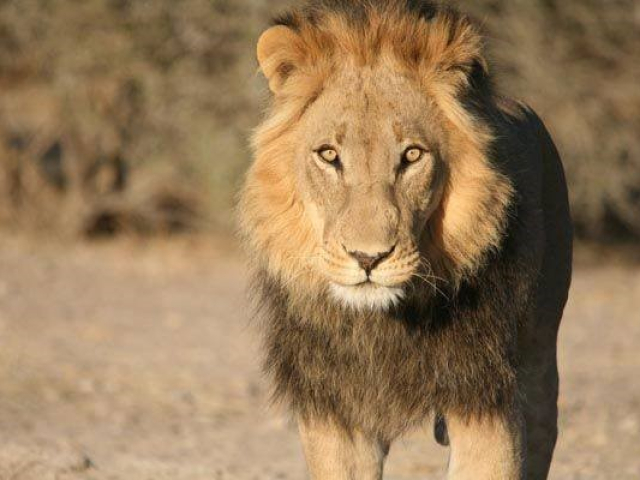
<point>134,115</point>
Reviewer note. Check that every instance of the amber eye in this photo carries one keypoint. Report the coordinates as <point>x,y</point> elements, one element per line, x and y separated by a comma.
<point>413,154</point>
<point>329,155</point>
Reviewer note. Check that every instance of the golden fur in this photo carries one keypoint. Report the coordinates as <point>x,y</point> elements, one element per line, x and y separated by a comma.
<point>476,241</point>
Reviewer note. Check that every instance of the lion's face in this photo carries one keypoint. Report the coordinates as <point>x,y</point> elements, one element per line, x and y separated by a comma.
<point>369,167</point>
<point>371,177</point>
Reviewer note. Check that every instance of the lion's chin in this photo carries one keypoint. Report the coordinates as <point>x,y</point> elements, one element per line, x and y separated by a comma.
<point>368,296</point>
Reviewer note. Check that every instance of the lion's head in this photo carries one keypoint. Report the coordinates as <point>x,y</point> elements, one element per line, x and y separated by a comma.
<point>371,173</point>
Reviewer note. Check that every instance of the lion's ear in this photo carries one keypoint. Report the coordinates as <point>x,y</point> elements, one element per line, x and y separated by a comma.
<point>279,52</point>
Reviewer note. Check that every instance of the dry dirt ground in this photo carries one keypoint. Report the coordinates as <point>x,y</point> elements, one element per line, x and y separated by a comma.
<point>132,361</point>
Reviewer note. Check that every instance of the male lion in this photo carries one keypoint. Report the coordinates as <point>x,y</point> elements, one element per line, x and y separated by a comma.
<point>411,241</point>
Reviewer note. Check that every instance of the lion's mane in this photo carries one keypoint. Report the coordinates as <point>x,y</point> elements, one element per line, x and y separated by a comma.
<point>452,351</point>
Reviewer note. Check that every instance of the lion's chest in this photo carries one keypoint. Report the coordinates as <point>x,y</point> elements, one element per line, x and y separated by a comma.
<point>385,373</point>
<point>375,373</point>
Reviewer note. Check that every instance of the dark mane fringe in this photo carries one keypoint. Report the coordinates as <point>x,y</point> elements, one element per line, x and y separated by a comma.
<point>358,11</point>
<point>387,372</point>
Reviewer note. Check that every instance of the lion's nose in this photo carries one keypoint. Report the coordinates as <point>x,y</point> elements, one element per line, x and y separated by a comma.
<point>369,261</point>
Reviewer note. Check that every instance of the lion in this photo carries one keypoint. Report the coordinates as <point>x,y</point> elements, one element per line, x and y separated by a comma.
<point>410,238</point>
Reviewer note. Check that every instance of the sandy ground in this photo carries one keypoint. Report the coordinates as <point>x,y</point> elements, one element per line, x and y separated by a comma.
<point>131,361</point>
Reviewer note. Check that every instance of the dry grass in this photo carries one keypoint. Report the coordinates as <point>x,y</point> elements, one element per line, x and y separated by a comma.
<point>118,115</point>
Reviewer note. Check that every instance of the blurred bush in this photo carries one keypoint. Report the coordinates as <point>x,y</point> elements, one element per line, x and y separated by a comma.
<point>123,115</point>
<point>134,115</point>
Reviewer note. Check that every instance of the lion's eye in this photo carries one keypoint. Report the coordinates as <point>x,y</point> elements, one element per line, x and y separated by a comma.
<point>329,155</point>
<point>412,154</point>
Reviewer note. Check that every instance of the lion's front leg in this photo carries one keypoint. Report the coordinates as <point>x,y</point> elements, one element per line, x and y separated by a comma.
<point>332,453</point>
<point>489,448</point>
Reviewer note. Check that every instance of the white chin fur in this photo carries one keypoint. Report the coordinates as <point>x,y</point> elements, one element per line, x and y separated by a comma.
<point>367,297</point>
